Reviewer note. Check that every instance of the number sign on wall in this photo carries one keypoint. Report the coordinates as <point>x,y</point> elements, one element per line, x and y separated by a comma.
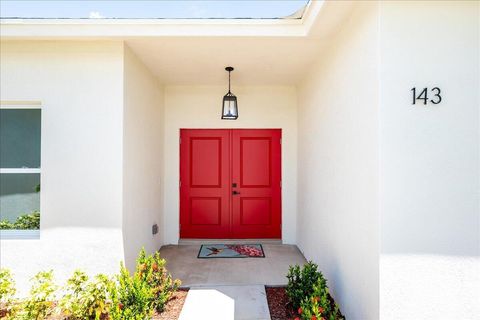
<point>434,96</point>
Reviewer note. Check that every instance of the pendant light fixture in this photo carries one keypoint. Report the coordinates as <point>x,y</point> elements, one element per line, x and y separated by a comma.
<point>229,105</point>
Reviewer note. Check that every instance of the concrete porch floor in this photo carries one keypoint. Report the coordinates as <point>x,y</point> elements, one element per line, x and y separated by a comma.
<point>183,264</point>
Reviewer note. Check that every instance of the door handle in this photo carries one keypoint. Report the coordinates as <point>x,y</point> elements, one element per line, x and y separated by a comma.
<point>235,192</point>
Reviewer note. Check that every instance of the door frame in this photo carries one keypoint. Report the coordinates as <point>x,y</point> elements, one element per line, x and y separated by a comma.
<point>229,186</point>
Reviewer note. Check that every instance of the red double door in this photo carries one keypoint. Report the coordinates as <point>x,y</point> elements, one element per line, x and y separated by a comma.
<point>230,183</point>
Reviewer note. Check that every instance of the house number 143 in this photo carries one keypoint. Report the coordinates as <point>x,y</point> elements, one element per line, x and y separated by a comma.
<point>423,95</point>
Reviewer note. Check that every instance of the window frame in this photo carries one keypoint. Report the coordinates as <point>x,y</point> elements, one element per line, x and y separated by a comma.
<point>16,234</point>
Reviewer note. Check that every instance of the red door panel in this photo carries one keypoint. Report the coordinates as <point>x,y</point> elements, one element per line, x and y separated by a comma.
<point>256,170</point>
<point>205,178</point>
<point>230,183</point>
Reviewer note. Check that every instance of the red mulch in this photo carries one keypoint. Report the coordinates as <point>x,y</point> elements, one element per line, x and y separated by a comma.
<point>278,304</point>
<point>173,307</point>
<point>279,307</point>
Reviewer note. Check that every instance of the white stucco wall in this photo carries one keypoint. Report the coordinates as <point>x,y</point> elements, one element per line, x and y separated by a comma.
<point>259,107</point>
<point>338,164</point>
<point>80,86</point>
<point>430,214</point>
<point>142,159</point>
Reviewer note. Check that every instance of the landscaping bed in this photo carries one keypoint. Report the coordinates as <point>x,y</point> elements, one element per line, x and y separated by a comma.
<point>173,307</point>
<point>171,312</point>
<point>148,293</point>
<point>280,306</point>
<point>306,296</point>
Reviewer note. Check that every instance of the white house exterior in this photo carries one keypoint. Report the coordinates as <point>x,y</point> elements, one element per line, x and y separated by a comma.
<point>382,194</point>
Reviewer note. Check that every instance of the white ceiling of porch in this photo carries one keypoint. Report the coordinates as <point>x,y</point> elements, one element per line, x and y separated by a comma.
<point>202,61</point>
<point>258,60</point>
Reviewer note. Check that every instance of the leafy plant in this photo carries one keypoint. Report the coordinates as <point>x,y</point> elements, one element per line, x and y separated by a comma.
<point>131,297</point>
<point>71,302</point>
<point>6,225</point>
<point>29,221</point>
<point>86,299</point>
<point>96,301</point>
<point>301,282</point>
<point>8,303</point>
<point>319,305</point>
<point>149,288</point>
<point>152,270</point>
<point>40,303</point>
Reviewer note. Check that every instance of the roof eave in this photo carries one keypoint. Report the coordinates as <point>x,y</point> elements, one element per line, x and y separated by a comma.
<point>24,29</point>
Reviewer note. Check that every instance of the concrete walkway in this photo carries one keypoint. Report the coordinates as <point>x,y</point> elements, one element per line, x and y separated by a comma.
<point>248,302</point>
<point>183,264</point>
<point>229,288</point>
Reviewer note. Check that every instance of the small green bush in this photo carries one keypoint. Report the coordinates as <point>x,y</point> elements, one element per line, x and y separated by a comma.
<point>71,303</point>
<point>41,302</point>
<point>8,303</point>
<point>319,304</point>
<point>128,297</point>
<point>131,297</point>
<point>86,299</point>
<point>301,282</point>
<point>29,221</point>
<point>152,270</point>
<point>308,294</point>
<point>97,300</point>
<point>5,225</point>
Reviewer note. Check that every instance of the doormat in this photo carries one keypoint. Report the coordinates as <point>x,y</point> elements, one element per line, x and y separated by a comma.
<point>230,251</point>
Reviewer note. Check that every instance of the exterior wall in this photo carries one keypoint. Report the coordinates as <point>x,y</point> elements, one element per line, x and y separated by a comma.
<point>142,159</point>
<point>430,211</point>
<point>80,86</point>
<point>259,107</point>
<point>338,223</point>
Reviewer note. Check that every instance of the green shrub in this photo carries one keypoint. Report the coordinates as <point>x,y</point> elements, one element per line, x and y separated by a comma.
<point>131,297</point>
<point>152,270</point>
<point>71,303</point>
<point>6,225</point>
<point>87,299</point>
<point>319,304</point>
<point>301,282</point>
<point>308,293</point>
<point>40,303</point>
<point>8,303</point>
<point>29,221</point>
<point>150,287</point>
<point>97,301</point>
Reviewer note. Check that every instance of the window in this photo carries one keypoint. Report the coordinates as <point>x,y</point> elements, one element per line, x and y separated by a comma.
<point>20,136</point>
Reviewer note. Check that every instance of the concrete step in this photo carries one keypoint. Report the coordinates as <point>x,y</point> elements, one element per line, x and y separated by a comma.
<point>244,302</point>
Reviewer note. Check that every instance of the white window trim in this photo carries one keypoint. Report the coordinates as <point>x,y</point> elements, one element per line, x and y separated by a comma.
<point>20,105</point>
<point>20,170</point>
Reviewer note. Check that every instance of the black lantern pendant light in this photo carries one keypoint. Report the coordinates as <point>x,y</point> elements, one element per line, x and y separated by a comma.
<point>229,106</point>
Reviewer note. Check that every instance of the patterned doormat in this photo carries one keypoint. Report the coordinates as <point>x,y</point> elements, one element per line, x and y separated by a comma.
<point>230,251</point>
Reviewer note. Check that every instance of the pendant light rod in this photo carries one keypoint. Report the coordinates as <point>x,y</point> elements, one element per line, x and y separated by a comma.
<point>229,69</point>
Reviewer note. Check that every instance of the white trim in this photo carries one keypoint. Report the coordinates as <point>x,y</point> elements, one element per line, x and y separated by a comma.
<point>20,104</point>
<point>19,234</point>
<point>20,170</point>
<point>124,29</point>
